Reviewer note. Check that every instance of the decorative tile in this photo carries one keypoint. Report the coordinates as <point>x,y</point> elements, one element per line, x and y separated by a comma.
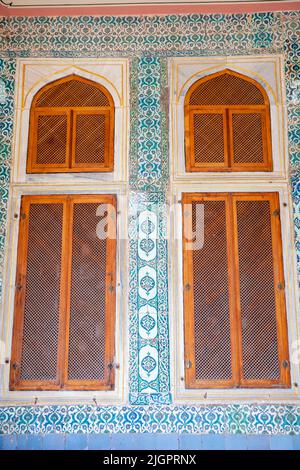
<point>148,41</point>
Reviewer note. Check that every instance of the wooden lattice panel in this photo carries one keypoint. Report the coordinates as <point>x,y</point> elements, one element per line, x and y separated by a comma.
<point>226,89</point>
<point>208,138</point>
<point>52,139</point>
<point>257,292</point>
<point>90,146</point>
<point>41,303</point>
<point>227,125</point>
<point>71,128</point>
<point>247,134</point>
<point>73,92</point>
<point>64,323</point>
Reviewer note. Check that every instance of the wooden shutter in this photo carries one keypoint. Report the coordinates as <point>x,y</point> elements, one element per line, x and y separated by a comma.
<point>234,303</point>
<point>64,322</point>
<point>227,125</point>
<point>71,128</point>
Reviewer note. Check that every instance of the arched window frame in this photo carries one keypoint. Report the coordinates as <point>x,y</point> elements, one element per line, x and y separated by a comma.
<point>227,111</point>
<point>72,112</point>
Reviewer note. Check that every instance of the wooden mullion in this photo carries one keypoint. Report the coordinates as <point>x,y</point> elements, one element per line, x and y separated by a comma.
<point>110,294</point>
<point>67,293</point>
<point>279,288</point>
<point>64,293</point>
<point>234,293</point>
<point>227,142</point>
<point>238,319</point>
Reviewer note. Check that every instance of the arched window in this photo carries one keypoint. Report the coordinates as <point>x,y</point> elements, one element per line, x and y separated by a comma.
<point>227,124</point>
<point>71,128</point>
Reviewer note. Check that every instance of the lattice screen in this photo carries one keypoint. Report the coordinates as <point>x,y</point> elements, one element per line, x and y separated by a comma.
<point>234,306</point>
<point>209,138</point>
<point>88,297</point>
<point>89,145</point>
<point>227,125</point>
<point>257,294</point>
<point>41,304</point>
<point>211,296</point>
<point>71,128</point>
<point>73,93</point>
<point>65,295</point>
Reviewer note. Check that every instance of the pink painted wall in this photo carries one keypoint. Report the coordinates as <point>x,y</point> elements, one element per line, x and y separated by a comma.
<point>242,7</point>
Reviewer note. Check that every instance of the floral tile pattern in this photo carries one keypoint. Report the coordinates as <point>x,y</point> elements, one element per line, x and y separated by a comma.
<point>148,41</point>
<point>221,419</point>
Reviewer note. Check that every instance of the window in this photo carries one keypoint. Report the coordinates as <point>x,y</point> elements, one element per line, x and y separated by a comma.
<point>227,124</point>
<point>64,322</point>
<point>234,301</point>
<point>71,128</point>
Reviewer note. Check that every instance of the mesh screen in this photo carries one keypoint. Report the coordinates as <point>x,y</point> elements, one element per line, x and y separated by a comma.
<point>90,138</point>
<point>247,138</point>
<point>41,314</point>
<point>258,308</point>
<point>211,297</point>
<point>73,93</point>
<point>88,296</point>
<point>51,139</point>
<point>208,138</point>
<point>226,89</point>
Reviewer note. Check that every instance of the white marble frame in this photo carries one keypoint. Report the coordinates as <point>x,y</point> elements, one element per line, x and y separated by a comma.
<point>266,70</point>
<point>181,394</point>
<point>120,393</point>
<point>269,72</point>
<point>32,74</point>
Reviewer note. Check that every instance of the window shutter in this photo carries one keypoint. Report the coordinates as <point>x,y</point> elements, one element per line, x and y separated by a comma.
<point>65,294</point>
<point>208,139</point>
<point>71,128</point>
<point>206,292</point>
<point>52,139</point>
<point>234,305</point>
<point>89,147</point>
<point>216,144</point>
<point>261,290</point>
<point>92,297</point>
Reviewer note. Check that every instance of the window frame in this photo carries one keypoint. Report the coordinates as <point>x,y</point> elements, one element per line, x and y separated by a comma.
<point>227,110</point>
<point>62,382</point>
<point>32,167</point>
<point>237,380</point>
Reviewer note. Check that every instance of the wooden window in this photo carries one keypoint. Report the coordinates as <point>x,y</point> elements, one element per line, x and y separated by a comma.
<point>234,302</point>
<point>64,323</point>
<point>227,124</point>
<point>71,128</point>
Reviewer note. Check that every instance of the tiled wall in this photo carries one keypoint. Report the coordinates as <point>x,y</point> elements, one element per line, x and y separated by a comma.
<point>147,442</point>
<point>148,42</point>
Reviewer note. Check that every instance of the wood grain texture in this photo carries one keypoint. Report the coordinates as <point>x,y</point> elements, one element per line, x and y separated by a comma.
<point>245,97</point>
<point>64,294</point>
<point>45,142</point>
